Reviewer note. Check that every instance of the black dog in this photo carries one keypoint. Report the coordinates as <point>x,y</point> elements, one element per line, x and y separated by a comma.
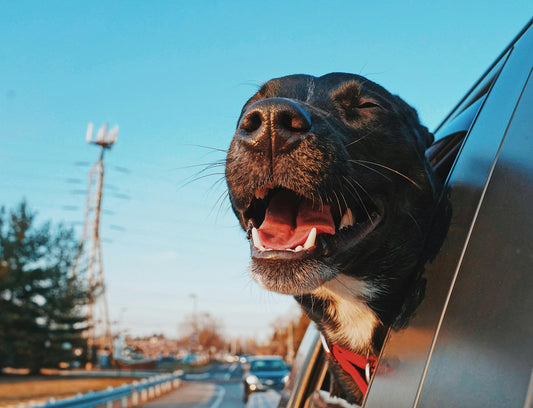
<point>328,177</point>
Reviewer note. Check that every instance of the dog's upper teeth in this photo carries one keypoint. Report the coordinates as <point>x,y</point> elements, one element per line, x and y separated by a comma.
<point>311,238</point>
<point>257,240</point>
<point>346,220</point>
<point>261,193</point>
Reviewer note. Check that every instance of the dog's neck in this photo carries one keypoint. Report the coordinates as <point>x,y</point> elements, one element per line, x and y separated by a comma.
<point>352,323</point>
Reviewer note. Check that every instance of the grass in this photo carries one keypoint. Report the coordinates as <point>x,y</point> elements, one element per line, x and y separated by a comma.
<point>19,389</point>
<point>15,389</point>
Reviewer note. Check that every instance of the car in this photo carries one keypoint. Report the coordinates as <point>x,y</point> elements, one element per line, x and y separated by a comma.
<point>470,343</point>
<point>265,373</point>
<point>244,358</point>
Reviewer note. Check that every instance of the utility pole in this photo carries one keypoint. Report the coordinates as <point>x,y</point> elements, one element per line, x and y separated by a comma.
<point>193,340</point>
<point>99,331</point>
<point>290,343</point>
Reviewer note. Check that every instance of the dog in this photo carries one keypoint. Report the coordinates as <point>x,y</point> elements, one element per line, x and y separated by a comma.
<point>328,177</point>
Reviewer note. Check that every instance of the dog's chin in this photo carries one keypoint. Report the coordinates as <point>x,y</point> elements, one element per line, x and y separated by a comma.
<point>291,277</point>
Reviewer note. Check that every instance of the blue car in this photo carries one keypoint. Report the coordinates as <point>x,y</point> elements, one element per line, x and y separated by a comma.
<point>265,372</point>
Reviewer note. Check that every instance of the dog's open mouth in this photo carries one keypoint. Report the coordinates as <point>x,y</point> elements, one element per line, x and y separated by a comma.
<point>285,225</point>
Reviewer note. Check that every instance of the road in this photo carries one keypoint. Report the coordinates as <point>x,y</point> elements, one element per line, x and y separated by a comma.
<point>218,387</point>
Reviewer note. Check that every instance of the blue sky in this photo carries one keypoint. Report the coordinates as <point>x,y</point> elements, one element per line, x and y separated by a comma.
<point>174,75</point>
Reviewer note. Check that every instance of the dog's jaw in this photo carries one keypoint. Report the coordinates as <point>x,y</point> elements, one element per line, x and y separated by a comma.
<point>291,277</point>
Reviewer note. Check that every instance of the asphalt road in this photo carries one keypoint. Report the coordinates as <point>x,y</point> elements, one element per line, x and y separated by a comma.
<point>218,387</point>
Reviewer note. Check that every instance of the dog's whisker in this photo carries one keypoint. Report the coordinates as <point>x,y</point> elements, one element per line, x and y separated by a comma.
<point>348,289</point>
<point>358,162</point>
<point>362,188</point>
<point>393,170</point>
<point>214,149</point>
<point>219,203</point>
<point>363,137</point>
<point>344,199</point>
<point>198,178</point>
<point>356,141</point>
<point>206,166</point>
<point>414,221</point>
<point>200,174</point>
<point>221,197</point>
<point>358,196</point>
<point>215,184</point>
<point>338,203</point>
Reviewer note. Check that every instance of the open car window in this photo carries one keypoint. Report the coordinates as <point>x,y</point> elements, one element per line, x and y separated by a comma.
<point>451,133</point>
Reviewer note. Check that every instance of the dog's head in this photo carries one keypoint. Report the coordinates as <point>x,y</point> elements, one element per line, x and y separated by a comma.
<point>328,176</point>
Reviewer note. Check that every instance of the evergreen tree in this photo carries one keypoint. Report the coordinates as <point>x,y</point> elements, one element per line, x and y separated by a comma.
<point>41,305</point>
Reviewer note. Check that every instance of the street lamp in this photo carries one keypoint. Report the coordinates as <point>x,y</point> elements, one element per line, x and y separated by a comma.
<point>194,336</point>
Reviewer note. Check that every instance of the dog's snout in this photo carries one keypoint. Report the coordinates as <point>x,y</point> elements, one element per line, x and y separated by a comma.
<point>274,124</point>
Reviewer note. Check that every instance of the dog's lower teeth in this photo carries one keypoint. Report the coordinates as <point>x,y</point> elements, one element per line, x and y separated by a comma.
<point>310,242</point>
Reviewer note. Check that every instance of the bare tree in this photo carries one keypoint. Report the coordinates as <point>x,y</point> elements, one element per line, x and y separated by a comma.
<point>203,332</point>
<point>287,336</point>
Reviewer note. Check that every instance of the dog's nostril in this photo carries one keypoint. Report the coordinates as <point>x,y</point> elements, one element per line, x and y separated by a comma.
<point>294,121</point>
<point>251,122</point>
<point>274,125</point>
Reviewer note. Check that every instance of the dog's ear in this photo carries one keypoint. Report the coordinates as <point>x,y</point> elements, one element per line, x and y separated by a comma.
<point>410,115</point>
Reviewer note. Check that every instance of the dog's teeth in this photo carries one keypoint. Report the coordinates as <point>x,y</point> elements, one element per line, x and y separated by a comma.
<point>298,248</point>
<point>257,240</point>
<point>347,219</point>
<point>310,241</point>
<point>261,193</point>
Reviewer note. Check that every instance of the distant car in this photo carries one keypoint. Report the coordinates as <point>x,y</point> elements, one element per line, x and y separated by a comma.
<point>470,343</point>
<point>243,359</point>
<point>265,372</point>
<point>191,358</point>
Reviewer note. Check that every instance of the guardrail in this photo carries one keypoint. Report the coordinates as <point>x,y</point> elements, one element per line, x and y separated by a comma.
<point>129,395</point>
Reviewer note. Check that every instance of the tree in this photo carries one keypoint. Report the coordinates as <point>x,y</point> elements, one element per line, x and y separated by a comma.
<point>42,306</point>
<point>203,330</point>
<point>288,333</point>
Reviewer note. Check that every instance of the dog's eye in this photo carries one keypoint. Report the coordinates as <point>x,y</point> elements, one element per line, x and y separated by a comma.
<point>367,105</point>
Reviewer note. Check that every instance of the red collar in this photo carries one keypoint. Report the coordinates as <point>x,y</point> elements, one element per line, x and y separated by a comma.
<point>359,367</point>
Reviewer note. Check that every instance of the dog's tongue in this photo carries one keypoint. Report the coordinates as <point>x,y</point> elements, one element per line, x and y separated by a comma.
<point>288,221</point>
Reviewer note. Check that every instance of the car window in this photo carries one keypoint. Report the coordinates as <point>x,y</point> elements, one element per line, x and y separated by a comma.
<point>268,365</point>
<point>451,133</point>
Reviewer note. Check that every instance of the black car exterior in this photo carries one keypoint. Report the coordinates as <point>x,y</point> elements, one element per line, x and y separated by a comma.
<point>470,343</point>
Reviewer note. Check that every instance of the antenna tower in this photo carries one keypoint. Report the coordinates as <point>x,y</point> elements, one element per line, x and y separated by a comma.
<point>89,255</point>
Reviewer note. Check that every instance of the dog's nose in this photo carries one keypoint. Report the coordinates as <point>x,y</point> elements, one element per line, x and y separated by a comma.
<point>275,125</point>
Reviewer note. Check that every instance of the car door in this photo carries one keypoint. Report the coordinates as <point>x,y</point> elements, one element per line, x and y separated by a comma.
<point>471,341</point>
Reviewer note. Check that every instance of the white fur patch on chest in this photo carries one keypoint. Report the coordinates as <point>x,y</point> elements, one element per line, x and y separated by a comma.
<point>355,321</point>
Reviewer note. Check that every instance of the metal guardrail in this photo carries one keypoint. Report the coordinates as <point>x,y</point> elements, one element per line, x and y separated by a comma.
<point>129,394</point>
